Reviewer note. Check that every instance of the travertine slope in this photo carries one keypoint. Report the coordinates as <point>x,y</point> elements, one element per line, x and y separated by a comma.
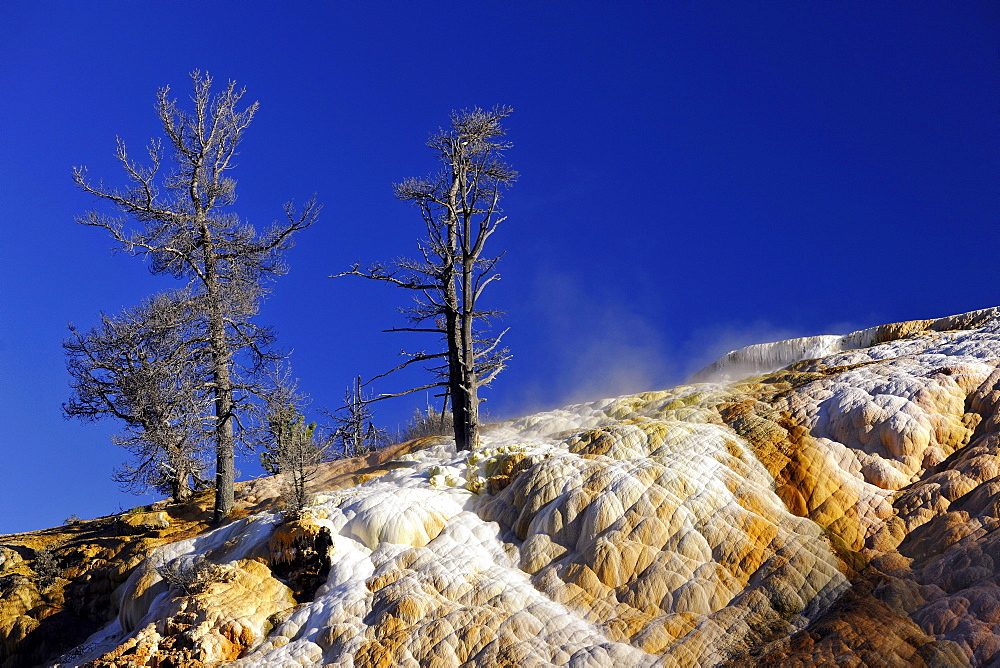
<point>58,585</point>
<point>841,511</point>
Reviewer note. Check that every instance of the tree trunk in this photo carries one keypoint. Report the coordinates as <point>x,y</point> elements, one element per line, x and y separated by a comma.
<point>458,396</point>
<point>225,466</point>
<point>180,488</point>
<point>470,383</point>
<point>472,416</point>
<point>183,488</point>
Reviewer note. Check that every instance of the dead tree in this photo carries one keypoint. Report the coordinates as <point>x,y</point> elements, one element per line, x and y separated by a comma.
<point>146,369</point>
<point>356,432</point>
<point>182,224</point>
<point>460,207</point>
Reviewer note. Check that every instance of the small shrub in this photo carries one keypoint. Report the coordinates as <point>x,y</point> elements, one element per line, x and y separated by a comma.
<point>299,462</point>
<point>46,568</point>
<point>431,423</point>
<point>76,653</point>
<point>437,423</point>
<point>295,501</point>
<point>72,519</point>
<point>193,574</point>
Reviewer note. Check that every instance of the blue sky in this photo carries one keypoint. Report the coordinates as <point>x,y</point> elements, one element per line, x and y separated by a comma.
<point>695,176</point>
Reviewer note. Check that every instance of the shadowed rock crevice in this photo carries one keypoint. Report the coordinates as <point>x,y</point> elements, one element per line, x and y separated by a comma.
<point>300,556</point>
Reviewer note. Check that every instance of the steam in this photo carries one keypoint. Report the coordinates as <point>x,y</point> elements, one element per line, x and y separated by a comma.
<point>594,348</point>
<point>708,345</point>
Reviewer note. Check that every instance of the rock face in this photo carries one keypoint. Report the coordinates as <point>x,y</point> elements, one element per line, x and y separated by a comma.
<point>842,511</point>
<point>56,585</point>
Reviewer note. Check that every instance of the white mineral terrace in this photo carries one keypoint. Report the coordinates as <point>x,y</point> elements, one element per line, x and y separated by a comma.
<point>764,358</point>
<point>640,531</point>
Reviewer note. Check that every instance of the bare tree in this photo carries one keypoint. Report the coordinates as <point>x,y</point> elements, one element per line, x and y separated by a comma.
<point>183,226</point>
<point>146,369</point>
<point>460,207</point>
<point>356,432</point>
